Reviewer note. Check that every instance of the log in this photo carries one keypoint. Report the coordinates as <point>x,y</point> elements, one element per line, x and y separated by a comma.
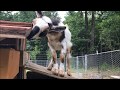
<point>43,70</point>
<point>9,23</point>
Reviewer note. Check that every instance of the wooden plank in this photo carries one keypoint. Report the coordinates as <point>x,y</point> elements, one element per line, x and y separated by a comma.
<point>43,70</point>
<point>15,23</point>
<point>3,27</point>
<point>9,63</point>
<point>19,25</point>
<point>12,36</point>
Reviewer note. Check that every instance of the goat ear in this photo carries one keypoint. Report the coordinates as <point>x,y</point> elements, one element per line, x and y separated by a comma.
<point>39,14</point>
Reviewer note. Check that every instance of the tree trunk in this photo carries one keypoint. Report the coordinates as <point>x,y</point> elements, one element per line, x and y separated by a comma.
<point>86,21</point>
<point>92,31</point>
<point>86,29</point>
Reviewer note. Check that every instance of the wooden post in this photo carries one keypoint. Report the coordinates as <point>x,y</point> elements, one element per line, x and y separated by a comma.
<point>17,44</point>
<point>24,56</point>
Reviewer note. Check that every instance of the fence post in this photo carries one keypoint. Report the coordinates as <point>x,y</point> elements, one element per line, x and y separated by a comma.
<point>98,62</point>
<point>77,65</point>
<point>112,60</point>
<point>85,63</point>
<point>46,63</point>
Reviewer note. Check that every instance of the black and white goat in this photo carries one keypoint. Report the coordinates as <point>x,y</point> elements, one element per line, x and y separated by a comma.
<point>57,40</point>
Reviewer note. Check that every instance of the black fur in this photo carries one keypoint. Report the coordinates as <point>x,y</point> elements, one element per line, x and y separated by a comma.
<point>55,22</point>
<point>40,13</point>
<point>43,34</point>
<point>35,30</point>
<point>63,36</point>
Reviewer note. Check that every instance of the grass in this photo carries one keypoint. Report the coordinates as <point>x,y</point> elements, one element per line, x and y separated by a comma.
<point>104,73</point>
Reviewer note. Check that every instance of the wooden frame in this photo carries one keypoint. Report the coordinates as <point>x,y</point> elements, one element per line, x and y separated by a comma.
<point>12,36</point>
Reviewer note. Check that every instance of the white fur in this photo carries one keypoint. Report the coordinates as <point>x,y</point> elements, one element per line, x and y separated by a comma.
<point>55,66</point>
<point>46,19</point>
<point>68,37</point>
<point>42,23</point>
<point>37,14</point>
<point>61,66</point>
<point>64,43</point>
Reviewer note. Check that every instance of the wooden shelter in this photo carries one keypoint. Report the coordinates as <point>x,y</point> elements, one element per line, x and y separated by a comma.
<point>13,55</point>
<point>13,48</point>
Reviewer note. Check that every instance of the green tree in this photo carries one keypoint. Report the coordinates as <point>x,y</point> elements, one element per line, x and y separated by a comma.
<point>92,32</point>
<point>52,14</point>
<point>105,25</point>
<point>6,15</point>
<point>110,28</point>
<point>75,22</point>
<point>24,16</point>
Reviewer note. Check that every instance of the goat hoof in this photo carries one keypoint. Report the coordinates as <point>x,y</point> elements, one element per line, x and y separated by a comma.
<point>69,73</point>
<point>61,73</point>
<point>55,71</point>
<point>50,67</point>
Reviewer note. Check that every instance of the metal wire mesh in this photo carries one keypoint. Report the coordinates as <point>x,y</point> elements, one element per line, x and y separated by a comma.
<point>105,64</point>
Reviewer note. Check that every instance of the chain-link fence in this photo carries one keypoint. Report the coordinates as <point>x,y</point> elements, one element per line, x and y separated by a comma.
<point>104,64</point>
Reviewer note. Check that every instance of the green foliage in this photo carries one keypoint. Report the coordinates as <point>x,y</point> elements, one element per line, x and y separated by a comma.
<point>109,35</point>
<point>48,55</point>
<point>24,16</point>
<point>6,15</point>
<point>107,30</point>
<point>52,14</point>
<point>75,22</point>
<point>34,53</point>
<point>105,67</point>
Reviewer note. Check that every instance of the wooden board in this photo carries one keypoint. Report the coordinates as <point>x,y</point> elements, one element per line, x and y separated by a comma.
<point>9,23</point>
<point>15,28</point>
<point>43,70</point>
<point>4,27</point>
<point>12,36</point>
<point>9,63</point>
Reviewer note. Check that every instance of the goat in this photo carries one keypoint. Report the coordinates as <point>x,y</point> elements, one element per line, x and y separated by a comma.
<point>57,40</point>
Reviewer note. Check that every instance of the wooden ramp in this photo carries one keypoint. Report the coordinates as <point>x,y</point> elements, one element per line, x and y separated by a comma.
<point>43,70</point>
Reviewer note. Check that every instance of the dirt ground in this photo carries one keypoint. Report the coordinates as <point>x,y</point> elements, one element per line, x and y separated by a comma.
<point>92,76</point>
